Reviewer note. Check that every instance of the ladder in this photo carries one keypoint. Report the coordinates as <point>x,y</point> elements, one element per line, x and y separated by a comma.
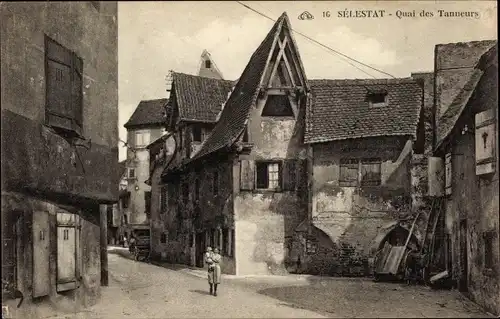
<point>430,230</point>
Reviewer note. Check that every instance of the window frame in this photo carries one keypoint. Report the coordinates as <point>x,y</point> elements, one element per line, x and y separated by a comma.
<point>142,134</point>
<point>208,64</point>
<point>129,169</point>
<point>370,162</point>
<point>373,102</point>
<point>198,130</point>
<point>350,164</point>
<point>279,172</point>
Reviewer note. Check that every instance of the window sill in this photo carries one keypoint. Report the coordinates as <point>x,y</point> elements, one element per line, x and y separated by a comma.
<point>266,191</point>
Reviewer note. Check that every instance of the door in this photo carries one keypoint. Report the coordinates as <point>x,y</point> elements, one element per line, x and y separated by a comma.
<point>41,254</point>
<point>200,249</point>
<point>463,256</point>
<point>68,245</point>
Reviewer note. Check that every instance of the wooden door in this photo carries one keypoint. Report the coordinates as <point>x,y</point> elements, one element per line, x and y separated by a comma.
<point>68,251</point>
<point>463,257</point>
<point>41,254</point>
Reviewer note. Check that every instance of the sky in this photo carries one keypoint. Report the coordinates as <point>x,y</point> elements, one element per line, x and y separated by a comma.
<point>155,37</point>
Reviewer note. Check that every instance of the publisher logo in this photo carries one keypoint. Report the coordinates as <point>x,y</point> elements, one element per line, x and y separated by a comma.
<point>305,16</point>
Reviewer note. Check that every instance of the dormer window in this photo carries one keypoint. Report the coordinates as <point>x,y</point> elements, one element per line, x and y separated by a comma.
<point>208,64</point>
<point>197,134</point>
<point>377,99</point>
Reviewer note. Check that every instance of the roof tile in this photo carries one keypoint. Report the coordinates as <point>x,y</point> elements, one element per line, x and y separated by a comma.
<point>148,112</point>
<point>340,109</point>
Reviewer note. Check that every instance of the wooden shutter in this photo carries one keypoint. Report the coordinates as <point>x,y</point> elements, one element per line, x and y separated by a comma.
<point>247,173</point>
<point>58,82</point>
<point>301,184</point>
<point>485,142</point>
<point>448,172</point>
<point>77,94</point>
<point>289,174</point>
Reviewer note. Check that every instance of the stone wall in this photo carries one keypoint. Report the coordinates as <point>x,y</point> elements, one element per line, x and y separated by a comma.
<point>354,217</point>
<point>472,207</point>
<point>24,207</point>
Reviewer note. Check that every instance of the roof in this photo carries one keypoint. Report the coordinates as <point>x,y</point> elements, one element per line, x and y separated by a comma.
<point>236,110</point>
<point>148,112</point>
<point>450,117</point>
<point>340,109</point>
<point>199,98</point>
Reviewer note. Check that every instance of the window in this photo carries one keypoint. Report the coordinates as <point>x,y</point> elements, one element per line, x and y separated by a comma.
<point>131,172</point>
<point>125,220</point>
<point>197,190</point>
<point>147,202</point>
<point>370,172</point>
<point>125,201</point>
<point>163,199</point>
<point>349,172</point>
<point>488,249</point>
<point>197,135</point>
<point>163,238</point>
<point>215,186</point>
<point>245,135</point>
<point>64,97</point>
<point>208,64</point>
<point>141,139</point>
<point>268,175</point>
<point>277,105</point>
<point>377,99</point>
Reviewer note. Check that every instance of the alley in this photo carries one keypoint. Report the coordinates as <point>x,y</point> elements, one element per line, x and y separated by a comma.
<point>141,290</point>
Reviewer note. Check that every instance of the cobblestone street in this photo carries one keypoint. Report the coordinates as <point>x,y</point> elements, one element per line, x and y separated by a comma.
<point>141,290</point>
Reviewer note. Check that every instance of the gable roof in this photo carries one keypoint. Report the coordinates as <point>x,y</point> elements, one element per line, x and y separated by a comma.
<point>236,110</point>
<point>148,112</point>
<point>340,109</point>
<point>450,117</point>
<point>212,72</point>
<point>199,98</point>
<point>456,77</point>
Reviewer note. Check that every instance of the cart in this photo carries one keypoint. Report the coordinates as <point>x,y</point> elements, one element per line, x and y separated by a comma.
<point>141,249</point>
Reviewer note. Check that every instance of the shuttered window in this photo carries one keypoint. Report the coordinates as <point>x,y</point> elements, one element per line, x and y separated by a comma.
<point>64,97</point>
<point>486,142</point>
<point>349,172</point>
<point>285,175</point>
<point>371,172</point>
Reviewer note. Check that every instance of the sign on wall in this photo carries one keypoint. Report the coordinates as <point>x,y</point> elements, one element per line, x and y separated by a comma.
<point>448,177</point>
<point>485,142</point>
<point>436,176</point>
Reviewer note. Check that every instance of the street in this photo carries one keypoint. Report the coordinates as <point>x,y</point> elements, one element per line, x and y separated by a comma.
<point>142,290</point>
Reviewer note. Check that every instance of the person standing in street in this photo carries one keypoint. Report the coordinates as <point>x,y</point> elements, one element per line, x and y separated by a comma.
<point>209,262</point>
<point>216,272</point>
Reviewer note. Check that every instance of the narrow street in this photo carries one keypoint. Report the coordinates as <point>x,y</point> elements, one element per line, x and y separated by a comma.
<point>141,290</point>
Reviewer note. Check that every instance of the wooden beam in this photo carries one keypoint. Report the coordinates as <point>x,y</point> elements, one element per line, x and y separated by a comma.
<point>103,210</point>
<point>276,39</point>
<point>288,64</point>
<point>278,58</point>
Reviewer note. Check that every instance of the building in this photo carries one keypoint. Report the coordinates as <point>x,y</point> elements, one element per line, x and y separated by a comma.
<point>115,211</point>
<point>466,147</point>
<point>145,125</point>
<point>208,68</point>
<point>194,104</point>
<point>59,106</point>
<point>364,148</point>
<point>245,189</point>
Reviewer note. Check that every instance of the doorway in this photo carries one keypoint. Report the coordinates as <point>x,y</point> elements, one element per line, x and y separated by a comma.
<point>199,249</point>
<point>462,285</point>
